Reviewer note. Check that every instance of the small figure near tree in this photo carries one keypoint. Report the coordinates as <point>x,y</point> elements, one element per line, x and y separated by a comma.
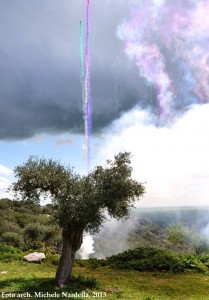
<point>81,202</point>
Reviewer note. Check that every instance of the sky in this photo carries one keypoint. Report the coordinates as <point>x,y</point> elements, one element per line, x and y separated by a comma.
<point>149,72</point>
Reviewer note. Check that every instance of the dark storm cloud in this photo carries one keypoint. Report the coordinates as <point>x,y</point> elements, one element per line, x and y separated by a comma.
<point>40,88</point>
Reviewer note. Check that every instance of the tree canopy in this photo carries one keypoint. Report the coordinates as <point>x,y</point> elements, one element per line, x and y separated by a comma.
<point>81,202</point>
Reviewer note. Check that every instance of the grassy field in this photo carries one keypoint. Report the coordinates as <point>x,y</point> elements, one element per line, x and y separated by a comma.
<point>22,280</point>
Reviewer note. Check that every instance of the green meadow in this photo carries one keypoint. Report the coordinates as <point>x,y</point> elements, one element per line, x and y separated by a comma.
<point>23,279</point>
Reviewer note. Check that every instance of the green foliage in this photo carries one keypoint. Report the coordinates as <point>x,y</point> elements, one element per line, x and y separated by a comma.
<point>8,222</point>
<point>146,234</point>
<point>83,263</point>
<point>95,263</point>
<point>150,259</point>
<point>48,209</point>
<point>12,239</point>
<point>9,253</point>
<point>204,259</point>
<point>9,249</point>
<point>92,263</point>
<point>193,263</point>
<point>5,204</point>
<point>116,189</point>
<point>177,237</point>
<point>177,234</point>
<point>88,282</point>
<point>52,259</point>
<point>35,234</point>
<point>15,225</point>
<point>39,176</point>
<point>186,239</point>
<point>8,257</point>
<point>80,201</point>
<point>23,219</point>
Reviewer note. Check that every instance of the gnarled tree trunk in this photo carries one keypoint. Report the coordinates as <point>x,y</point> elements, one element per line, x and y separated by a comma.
<point>72,240</point>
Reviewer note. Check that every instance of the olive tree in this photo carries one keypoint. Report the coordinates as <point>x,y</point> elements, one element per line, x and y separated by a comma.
<point>81,202</point>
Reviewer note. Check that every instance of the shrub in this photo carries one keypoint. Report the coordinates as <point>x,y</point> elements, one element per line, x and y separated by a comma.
<point>82,262</point>
<point>204,259</point>
<point>8,257</point>
<point>9,253</point>
<point>35,234</point>
<point>87,282</point>
<point>22,219</point>
<point>8,222</point>
<point>92,263</point>
<point>12,239</point>
<point>5,204</point>
<point>9,249</point>
<point>150,259</point>
<point>193,262</point>
<point>52,258</point>
<point>95,263</point>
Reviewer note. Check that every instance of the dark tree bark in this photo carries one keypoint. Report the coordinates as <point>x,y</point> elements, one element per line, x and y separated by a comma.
<point>72,240</point>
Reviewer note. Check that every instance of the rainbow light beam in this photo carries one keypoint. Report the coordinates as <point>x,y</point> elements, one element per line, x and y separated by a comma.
<point>82,64</point>
<point>85,81</point>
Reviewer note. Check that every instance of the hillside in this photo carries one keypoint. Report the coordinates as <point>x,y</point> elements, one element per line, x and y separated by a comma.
<point>163,216</point>
<point>30,226</point>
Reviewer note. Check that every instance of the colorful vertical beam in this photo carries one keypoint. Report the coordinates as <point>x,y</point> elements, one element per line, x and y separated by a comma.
<point>87,90</point>
<point>85,83</point>
<point>82,64</point>
<point>85,80</point>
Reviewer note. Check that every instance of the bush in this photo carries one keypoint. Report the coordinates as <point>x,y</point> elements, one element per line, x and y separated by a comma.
<point>82,262</point>
<point>204,259</point>
<point>95,263</point>
<point>5,204</point>
<point>8,257</point>
<point>150,259</point>
<point>87,282</point>
<point>12,239</point>
<point>9,249</point>
<point>9,253</point>
<point>8,222</point>
<point>52,258</point>
<point>35,234</point>
<point>23,219</point>
<point>92,263</point>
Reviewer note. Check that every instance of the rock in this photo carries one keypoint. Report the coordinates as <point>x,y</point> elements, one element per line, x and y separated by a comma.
<point>36,256</point>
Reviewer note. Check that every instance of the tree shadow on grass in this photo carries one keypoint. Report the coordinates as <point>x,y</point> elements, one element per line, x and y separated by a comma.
<point>44,285</point>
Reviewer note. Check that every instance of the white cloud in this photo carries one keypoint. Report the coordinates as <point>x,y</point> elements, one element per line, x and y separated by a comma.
<point>173,161</point>
<point>5,181</point>
<point>5,171</point>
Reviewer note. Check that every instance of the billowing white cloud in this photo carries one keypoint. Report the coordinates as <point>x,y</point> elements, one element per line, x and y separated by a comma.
<point>5,171</point>
<point>173,161</point>
<point>5,181</point>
